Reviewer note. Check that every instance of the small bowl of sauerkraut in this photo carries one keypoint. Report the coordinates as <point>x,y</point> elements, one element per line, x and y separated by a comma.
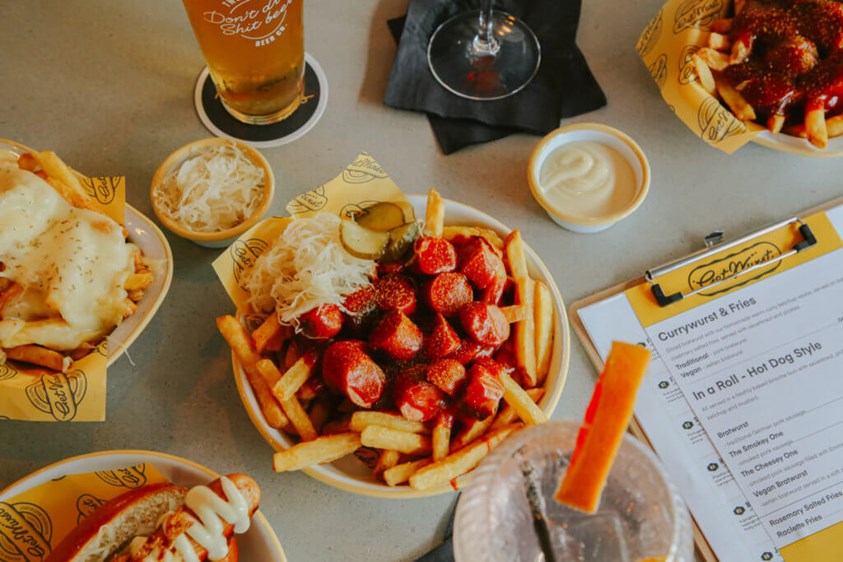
<point>212,190</point>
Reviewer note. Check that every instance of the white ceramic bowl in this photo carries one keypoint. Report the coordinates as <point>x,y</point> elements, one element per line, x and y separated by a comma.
<point>591,132</point>
<point>222,238</point>
<point>352,475</point>
<point>796,145</point>
<point>154,245</point>
<point>259,543</point>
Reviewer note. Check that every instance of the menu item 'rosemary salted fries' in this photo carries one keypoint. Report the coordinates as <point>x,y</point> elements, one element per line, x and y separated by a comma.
<point>67,274</point>
<point>421,363</point>
<point>779,63</point>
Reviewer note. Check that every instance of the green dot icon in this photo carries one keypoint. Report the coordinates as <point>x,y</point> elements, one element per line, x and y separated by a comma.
<point>739,510</point>
<point>712,466</point>
<point>663,384</point>
<point>687,425</point>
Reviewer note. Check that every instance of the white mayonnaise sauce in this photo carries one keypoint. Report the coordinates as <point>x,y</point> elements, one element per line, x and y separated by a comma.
<point>587,179</point>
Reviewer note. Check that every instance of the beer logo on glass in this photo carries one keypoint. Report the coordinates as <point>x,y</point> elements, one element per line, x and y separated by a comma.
<point>260,21</point>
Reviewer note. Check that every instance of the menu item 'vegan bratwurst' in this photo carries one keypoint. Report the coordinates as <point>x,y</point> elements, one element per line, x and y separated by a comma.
<point>66,270</point>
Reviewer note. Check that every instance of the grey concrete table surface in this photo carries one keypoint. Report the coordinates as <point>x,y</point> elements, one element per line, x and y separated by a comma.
<point>108,85</point>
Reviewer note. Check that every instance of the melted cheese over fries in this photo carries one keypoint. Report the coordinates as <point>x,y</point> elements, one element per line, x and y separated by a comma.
<point>71,264</point>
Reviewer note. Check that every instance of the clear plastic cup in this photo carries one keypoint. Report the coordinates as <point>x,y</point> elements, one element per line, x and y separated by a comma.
<point>641,514</point>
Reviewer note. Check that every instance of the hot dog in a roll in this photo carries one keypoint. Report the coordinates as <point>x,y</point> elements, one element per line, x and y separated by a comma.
<point>166,523</point>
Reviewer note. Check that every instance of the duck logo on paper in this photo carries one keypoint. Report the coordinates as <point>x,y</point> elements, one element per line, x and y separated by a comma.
<point>103,189</point>
<point>7,372</point>
<point>696,13</point>
<point>86,504</point>
<point>716,122</point>
<point>243,255</point>
<point>363,170</point>
<point>650,36</point>
<point>25,532</point>
<point>307,202</point>
<point>58,394</point>
<point>733,264</point>
<point>131,477</point>
<point>259,21</point>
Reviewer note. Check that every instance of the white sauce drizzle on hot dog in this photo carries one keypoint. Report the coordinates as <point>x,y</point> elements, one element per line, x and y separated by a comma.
<point>207,531</point>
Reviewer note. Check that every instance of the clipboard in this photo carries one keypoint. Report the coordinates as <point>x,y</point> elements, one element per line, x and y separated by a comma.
<point>713,245</point>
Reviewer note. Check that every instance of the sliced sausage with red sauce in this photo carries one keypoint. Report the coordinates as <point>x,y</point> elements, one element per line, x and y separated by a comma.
<point>484,390</point>
<point>443,340</point>
<point>322,322</point>
<point>348,370</point>
<point>395,293</point>
<point>480,263</point>
<point>434,256</point>
<point>485,323</point>
<point>417,399</point>
<point>447,374</point>
<point>448,292</point>
<point>398,336</point>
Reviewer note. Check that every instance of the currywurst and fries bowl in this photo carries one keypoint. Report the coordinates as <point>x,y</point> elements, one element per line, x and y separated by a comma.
<point>77,270</point>
<point>442,337</point>
<point>766,71</point>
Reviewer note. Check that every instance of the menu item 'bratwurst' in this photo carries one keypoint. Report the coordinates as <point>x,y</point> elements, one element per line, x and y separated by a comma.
<point>422,354</point>
<point>67,274</point>
<point>165,522</point>
<point>780,63</point>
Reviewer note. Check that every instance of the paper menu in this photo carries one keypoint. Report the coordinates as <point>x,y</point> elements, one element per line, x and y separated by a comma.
<point>740,401</point>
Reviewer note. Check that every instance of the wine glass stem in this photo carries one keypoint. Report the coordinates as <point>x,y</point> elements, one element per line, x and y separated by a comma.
<point>484,43</point>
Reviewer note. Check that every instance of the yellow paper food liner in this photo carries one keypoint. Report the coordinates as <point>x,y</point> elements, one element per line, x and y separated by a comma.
<point>35,521</point>
<point>361,184</point>
<point>666,46</point>
<point>34,394</point>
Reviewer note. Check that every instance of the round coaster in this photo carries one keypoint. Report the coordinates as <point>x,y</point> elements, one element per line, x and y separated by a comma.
<point>221,124</point>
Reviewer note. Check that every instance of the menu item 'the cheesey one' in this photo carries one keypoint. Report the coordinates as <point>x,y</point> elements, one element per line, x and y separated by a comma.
<point>68,276</point>
<point>425,359</point>
<point>161,522</point>
<point>779,63</point>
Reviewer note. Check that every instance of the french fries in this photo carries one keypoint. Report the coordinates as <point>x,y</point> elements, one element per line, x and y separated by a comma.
<point>37,355</point>
<point>327,424</point>
<point>321,450</point>
<point>725,50</point>
<point>455,465</point>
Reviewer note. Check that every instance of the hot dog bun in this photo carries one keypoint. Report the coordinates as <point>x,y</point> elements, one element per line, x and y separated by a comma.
<point>155,520</point>
<point>104,532</point>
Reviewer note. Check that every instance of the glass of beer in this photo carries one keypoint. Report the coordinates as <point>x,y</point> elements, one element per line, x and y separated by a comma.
<point>255,54</point>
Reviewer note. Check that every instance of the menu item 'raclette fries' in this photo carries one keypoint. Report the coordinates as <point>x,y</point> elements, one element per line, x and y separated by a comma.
<point>780,64</point>
<point>68,276</point>
<point>424,359</point>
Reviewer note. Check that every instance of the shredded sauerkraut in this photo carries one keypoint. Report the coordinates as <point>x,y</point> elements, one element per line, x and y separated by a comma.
<point>305,268</point>
<point>213,190</point>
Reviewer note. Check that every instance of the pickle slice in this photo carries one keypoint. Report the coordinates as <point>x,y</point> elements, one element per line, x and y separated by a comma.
<point>381,217</point>
<point>362,242</point>
<point>401,239</point>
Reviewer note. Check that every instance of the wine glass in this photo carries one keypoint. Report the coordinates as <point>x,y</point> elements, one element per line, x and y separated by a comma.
<point>484,55</point>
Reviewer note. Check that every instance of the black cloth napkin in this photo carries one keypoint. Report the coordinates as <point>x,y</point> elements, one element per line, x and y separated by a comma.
<point>563,86</point>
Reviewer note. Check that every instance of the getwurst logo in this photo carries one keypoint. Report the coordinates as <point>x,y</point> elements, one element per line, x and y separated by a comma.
<point>353,210</point>
<point>243,255</point>
<point>58,394</point>
<point>103,189</point>
<point>7,372</point>
<point>658,70</point>
<point>312,200</point>
<point>725,267</point>
<point>648,38</point>
<point>687,72</point>
<point>363,169</point>
<point>716,122</point>
<point>86,504</point>
<point>132,477</point>
<point>25,532</point>
<point>696,13</point>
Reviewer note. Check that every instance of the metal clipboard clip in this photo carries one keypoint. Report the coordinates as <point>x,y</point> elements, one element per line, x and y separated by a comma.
<point>713,243</point>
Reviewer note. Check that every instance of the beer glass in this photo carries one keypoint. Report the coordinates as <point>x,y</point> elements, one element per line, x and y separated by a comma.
<point>484,55</point>
<point>255,54</point>
<point>508,511</point>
